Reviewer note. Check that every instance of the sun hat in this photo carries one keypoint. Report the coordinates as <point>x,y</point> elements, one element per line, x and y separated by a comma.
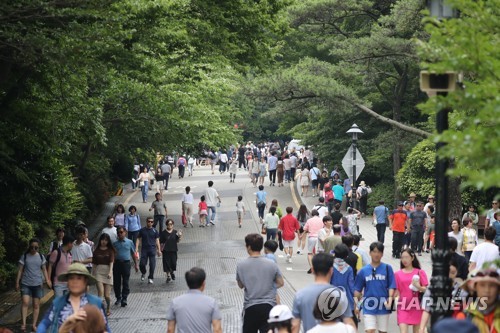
<point>362,183</point>
<point>481,275</point>
<point>77,269</point>
<point>412,195</point>
<point>279,313</point>
<point>430,196</point>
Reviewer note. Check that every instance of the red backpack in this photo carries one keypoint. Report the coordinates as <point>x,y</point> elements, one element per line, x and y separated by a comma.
<point>329,196</point>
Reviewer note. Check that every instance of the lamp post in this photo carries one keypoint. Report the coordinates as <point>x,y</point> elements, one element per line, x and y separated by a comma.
<point>440,84</point>
<point>354,130</point>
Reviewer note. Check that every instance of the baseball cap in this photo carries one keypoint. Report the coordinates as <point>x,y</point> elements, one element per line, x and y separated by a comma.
<point>401,203</point>
<point>279,313</point>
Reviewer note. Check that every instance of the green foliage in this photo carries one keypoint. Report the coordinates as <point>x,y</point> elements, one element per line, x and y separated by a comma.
<point>417,173</point>
<point>90,87</point>
<point>474,136</point>
<point>382,191</point>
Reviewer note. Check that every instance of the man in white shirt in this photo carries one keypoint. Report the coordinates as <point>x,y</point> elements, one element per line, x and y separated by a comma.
<point>315,174</point>
<point>484,252</point>
<point>490,215</point>
<point>321,207</point>
<point>81,251</point>
<point>212,198</point>
<point>110,229</point>
<point>272,163</point>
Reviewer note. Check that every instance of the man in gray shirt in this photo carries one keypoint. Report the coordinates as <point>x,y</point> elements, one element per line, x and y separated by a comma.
<point>272,163</point>
<point>260,277</point>
<point>160,211</point>
<point>166,169</point>
<point>193,311</point>
<point>417,221</point>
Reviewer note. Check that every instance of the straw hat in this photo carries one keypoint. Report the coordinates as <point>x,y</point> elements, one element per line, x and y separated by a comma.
<point>483,275</point>
<point>412,195</point>
<point>362,183</point>
<point>77,269</point>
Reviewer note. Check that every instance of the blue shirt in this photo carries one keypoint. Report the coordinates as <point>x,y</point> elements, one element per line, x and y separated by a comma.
<point>125,249</point>
<point>345,281</point>
<point>261,197</point>
<point>148,238</point>
<point>381,212</point>
<point>347,185</point>
<point>132,222</point>
<point>272,161</point>
<point>338,192</point>
<point>271,257</point>
<point>376,284</point>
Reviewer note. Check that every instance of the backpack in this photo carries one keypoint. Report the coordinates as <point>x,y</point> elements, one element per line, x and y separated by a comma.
<point>182,161</point>
<point>53,273</point>
<point>364,192</point>
<point>24,258</point>
<point>329,196</point>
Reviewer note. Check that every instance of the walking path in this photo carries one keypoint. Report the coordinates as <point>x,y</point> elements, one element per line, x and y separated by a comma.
<point>217,250</point>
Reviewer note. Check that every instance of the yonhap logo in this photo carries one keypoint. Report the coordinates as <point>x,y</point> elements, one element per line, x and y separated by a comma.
<point>332,303</point>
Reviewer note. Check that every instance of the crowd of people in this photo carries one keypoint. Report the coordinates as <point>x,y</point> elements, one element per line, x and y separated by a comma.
<point>369,288</point>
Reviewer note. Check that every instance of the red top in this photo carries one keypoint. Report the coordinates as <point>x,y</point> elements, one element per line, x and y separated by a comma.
<point>399,218</point>
<point>289,225</point>
<point>202,205</point>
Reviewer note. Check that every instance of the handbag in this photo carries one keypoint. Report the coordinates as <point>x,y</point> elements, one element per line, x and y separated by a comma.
<point>141,183</point>
<point>263,230</point>
<point>183,218</point>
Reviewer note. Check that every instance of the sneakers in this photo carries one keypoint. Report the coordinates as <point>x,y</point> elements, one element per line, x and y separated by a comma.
<point>124,303</point>
<point>309,271</point>
<point>173,276</point>
<point>288,258</point>
<point>150,281</point>
<point>118,301</point>
<point>143,277</point>
<point>168,279</point>
<point>212,223</point>
<point>299,252</point>
<point>191,223</point>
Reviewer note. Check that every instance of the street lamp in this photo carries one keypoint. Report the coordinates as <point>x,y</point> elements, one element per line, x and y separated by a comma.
<point>440,84</point>
<point>354,130</point>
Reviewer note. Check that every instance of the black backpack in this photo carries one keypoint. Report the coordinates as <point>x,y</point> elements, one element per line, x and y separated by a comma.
<point>364,192</point>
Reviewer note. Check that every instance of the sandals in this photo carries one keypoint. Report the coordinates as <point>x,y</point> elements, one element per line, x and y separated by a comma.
<point>23,328</point>
<point>33,328</point>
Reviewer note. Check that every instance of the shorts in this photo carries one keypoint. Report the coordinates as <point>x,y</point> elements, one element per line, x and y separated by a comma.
<point>314,183</point>
<point>239,214</point>
<point>429,229</point>
<point>376,322</point>
<point>311,244</point>
<point>32,291</point>
<point>288,243</point>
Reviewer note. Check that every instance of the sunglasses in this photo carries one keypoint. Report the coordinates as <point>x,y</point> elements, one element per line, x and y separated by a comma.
<point>34,247</point>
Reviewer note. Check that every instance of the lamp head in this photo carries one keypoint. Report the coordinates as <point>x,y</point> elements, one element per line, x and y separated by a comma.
<point>354,130</point>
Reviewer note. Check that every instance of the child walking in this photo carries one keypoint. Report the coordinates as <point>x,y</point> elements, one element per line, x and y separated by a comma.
<point>240,209</point>
<point>233,167</point>
<point>270,248</point>
<point>202,211</point>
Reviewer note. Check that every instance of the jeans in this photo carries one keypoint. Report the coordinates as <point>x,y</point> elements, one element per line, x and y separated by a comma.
<point>190,169</point>
<point>60,289</point>
<point>121,274</point>
<point>288,175</point>
<point>159,219</point>
<point>222,167</point>
<point>292,174</point>
<point>271,234</point>
<point>211,214</point>
<point>145,256</point>
<point>255,318</point>
<point>241,161</point>
<point>182,168</point>
<point>261,207</point>
<point>166,177</point>
<point>132,235</point>
<point>417,238</point>
<point>145,190</point>
<point>397,243</point>
<point>272,176</point>
<point>381,232</point>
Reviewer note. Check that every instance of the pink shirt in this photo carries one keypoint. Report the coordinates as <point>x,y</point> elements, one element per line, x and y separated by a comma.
<point>409,309</point>
<point>62,265</point>
<point>313,226</point>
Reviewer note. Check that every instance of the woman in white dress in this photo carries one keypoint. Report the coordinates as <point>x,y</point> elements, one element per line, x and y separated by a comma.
<point>305,181</point>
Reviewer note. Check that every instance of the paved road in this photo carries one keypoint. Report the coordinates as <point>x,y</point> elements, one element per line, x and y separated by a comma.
<point>217,250</point>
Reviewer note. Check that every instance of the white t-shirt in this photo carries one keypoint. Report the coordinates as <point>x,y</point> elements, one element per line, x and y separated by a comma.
<point>240,206</point>
<point>322,235</point>
<point>337,328</point>
<point>322,210</point>
<point>211,197</point>
<point>188,198</point>
<point>460,239</point>
<point>484,252</point>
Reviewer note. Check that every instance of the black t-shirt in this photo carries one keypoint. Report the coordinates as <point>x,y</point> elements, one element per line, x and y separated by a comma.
<point>148,238</point>
<point>336,216</point>
<point>170,240</point>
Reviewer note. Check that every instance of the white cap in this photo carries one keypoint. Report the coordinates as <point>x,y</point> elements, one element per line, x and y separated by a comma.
<point>279,313</point>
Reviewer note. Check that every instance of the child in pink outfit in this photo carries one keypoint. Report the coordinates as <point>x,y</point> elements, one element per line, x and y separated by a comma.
<point>202,211</point>
<point>410,281</point>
